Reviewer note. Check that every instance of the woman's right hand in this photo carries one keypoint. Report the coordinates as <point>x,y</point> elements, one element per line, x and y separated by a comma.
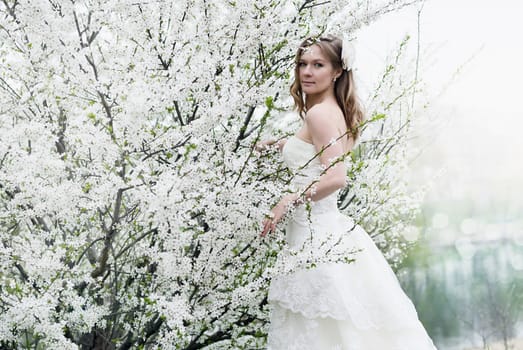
<point>278,212</point>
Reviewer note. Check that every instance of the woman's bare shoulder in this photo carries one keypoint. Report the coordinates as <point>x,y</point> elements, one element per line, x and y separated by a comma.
<point>323,113</point>
<point>320,123</point>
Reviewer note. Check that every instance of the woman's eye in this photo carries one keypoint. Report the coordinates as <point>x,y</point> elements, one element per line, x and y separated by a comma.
<point>316,65</point>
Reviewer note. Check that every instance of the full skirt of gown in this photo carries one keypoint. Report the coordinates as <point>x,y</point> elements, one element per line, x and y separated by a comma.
<point>338,306</point>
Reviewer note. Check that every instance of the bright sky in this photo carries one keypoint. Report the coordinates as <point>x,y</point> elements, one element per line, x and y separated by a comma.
<point>479,141</point>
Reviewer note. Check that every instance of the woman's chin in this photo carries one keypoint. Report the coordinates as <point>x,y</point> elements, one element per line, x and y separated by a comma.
<point>309,90</point>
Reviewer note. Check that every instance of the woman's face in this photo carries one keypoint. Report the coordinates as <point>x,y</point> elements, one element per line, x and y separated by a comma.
<point>315,71</point>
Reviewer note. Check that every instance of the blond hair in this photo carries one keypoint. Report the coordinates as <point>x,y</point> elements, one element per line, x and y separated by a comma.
<point>344,88</point>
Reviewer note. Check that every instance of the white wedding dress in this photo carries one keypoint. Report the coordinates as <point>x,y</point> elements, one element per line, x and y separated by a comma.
<point>337,306</point>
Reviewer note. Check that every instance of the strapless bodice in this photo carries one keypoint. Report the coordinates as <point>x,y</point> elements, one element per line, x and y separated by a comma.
<point>296,153</point>
<point>302,159</point>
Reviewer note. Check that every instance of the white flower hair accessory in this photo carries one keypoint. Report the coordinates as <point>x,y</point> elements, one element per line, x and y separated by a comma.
<point>348,55</point>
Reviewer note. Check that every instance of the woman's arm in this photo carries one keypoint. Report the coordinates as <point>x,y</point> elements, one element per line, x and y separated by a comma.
<point>322,128</point>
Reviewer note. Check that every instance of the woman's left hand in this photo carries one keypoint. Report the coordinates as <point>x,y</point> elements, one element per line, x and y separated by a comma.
<point>277,213</point>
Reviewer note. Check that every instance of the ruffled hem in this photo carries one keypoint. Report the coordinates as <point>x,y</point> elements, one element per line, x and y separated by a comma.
<point>386,308</point>
<point>310,313</point>
<point>292,331</point>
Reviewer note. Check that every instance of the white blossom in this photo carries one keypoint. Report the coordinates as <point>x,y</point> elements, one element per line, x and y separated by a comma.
<point>131,201</point>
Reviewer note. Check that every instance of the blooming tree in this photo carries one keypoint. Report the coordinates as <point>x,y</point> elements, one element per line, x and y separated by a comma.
<point>378,196</point>
<point>130,194</point>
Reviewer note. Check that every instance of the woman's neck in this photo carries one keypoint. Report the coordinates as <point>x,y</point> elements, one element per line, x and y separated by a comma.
<point>311,100</point>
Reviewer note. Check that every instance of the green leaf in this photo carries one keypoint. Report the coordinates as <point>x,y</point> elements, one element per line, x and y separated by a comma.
<point>377,117</point>
<point>269,102</point>
<point>86,187</point>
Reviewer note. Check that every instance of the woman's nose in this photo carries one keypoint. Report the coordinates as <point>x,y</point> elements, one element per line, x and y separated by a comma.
<point>307,70</point>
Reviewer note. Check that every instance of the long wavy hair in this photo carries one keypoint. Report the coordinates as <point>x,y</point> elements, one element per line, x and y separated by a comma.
<point>344,88</point>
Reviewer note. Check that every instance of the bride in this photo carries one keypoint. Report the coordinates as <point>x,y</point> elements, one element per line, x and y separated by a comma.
<point>356,306</point>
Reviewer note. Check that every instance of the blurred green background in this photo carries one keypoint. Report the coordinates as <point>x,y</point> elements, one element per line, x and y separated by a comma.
<point>465,274</point>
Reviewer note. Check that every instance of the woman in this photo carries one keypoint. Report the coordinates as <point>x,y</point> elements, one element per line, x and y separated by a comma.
<point>334,305</point>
